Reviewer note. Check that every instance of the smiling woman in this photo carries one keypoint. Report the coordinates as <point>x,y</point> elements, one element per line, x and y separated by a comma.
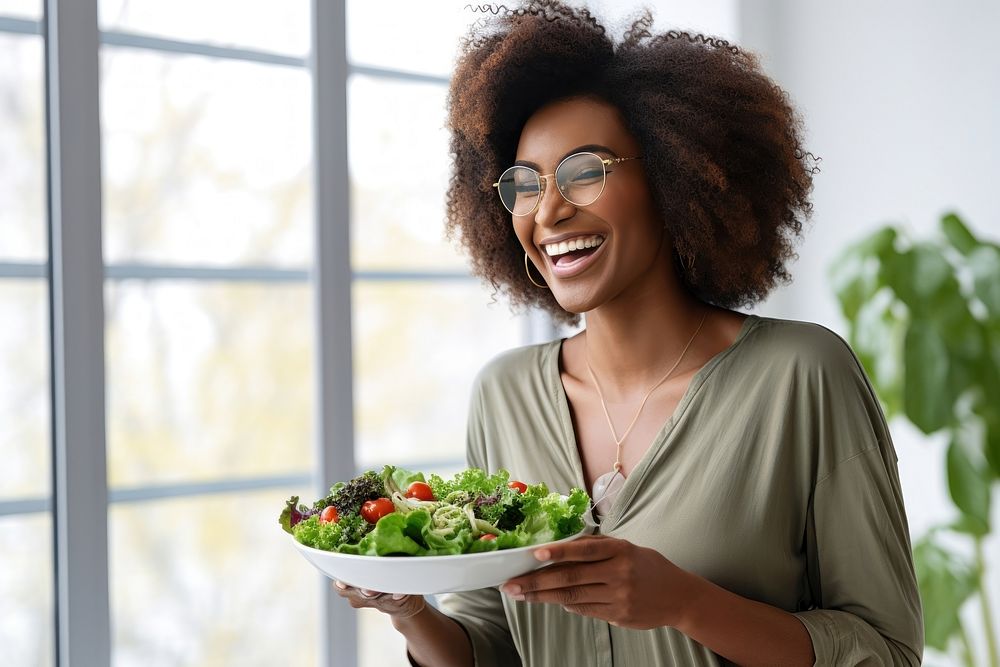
<point>748,507</point>
<point>724,167</point>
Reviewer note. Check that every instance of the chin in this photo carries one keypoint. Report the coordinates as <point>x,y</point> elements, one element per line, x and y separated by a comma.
<point>575,302</point>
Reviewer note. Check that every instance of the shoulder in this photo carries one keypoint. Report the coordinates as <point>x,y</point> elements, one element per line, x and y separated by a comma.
<point>804,358</point>
<point>804,346</point>
<point>515,383</point>
<point>517,367</point>
<point>814,370</point>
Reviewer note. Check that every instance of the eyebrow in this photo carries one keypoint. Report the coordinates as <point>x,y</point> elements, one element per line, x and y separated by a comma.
<point>589,148</point>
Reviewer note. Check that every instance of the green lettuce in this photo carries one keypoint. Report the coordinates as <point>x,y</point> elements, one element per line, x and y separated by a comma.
<point>394,535</point>
<point>449,531</point>
<point>419,533</point>
<point>472,481</point>
<point>466,507</point>
<point>403,478</point>
<point>350,529</point>
<point>550,517</point>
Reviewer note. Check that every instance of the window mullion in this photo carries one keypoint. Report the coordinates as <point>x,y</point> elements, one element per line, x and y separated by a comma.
<point>332,287</point>
<point>80,494</point>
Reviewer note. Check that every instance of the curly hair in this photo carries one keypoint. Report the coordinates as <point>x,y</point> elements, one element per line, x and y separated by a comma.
<point>721,144</point>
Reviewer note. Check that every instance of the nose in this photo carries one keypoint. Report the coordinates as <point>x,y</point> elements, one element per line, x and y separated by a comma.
<point>553,207</point>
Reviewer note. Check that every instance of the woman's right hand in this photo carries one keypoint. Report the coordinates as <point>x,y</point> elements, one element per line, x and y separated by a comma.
<point>396,605</point>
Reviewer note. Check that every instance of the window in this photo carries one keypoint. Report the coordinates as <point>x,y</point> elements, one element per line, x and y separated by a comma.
<point>26,575</point>
<point>208,234</point>
<point>213,271</point>
<point>208,223</point>
<point>422,326</point>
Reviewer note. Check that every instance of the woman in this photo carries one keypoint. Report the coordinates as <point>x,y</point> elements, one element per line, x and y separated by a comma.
<point>749,504</point>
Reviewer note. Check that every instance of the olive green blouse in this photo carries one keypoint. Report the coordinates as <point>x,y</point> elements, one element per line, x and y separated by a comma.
<point>775,478</point>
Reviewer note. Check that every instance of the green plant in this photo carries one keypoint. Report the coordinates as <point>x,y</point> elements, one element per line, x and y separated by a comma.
<point>924,318</point>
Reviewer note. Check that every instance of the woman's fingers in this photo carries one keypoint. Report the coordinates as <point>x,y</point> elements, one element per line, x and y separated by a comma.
<point>576,565</point>
<point>597,610</point>
<point>364,592</point>
<point>574,595</point>
<point>395,604</point>
<point>554,576</point>
<point>587,548</point>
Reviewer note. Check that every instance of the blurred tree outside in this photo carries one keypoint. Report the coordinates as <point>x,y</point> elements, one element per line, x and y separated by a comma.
<point>213,380</point>
<point>26,581</point>
<point>206,381</point>
<point>208,163</point>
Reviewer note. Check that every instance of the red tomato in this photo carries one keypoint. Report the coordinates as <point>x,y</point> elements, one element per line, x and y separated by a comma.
<point>329,515</point>
<point>420,491</point>
<point>488,536</point>
<point>520,487</point>
<point>373,510</point>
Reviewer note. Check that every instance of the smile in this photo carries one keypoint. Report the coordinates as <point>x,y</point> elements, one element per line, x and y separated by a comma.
<point>572,256</point>
<point>580,243</point>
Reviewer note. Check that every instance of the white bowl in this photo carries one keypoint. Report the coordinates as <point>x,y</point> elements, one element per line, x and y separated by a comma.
<point>428,575</point>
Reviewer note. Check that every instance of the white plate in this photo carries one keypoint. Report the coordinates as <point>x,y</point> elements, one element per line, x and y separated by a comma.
<point>428,575</point>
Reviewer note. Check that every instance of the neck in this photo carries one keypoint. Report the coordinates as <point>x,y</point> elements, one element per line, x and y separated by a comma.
<point>632,340</point>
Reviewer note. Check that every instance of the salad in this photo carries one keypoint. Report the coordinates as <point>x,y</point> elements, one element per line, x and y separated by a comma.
<point>399,512</point>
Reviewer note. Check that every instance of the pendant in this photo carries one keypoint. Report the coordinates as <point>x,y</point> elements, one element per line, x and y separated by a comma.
<point>606,488</point>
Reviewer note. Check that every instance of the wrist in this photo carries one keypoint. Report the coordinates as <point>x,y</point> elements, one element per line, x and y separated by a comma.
<point>405,619</point>
<point>694,599</point>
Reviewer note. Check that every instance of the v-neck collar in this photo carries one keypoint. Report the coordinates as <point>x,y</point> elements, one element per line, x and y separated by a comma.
<point>659,441</point>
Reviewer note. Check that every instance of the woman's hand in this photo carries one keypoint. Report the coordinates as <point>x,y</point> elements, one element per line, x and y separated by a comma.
<point>396,605</point>
<point>610,579</point>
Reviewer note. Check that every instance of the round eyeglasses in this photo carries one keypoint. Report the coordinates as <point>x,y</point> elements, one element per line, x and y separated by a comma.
<point>580,179</point>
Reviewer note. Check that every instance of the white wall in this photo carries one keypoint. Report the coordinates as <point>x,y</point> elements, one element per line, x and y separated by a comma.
<point>715,17</point>
<point>902,102</point>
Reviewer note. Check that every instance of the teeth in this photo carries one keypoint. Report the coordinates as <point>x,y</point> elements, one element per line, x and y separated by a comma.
<point>579,243</point>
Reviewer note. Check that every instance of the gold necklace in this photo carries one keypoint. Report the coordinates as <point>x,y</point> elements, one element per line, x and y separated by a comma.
<point>604,481</point>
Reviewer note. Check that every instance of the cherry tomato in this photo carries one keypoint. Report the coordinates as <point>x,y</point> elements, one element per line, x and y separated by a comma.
<point>329,515</point>
<point>520,487</point>
<point>487,537</point>
<point>373,510</point>
<point>420,491</point>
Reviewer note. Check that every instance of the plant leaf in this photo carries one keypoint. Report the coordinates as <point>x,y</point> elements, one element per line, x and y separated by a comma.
<point>985,264</point>
<point>877,339</point>
<point>989,411</point>
<point>921,277</point>
<point>946,581</point>
<point>987,407</point>
<point>963,338</point>
<point>958,234</point>
<point>969,480</point>
<point>855,272</point>
<point>925,391</point>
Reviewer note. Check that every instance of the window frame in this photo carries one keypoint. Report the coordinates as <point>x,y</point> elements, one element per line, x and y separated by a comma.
<point>76,305</point>
<point>76,273</point>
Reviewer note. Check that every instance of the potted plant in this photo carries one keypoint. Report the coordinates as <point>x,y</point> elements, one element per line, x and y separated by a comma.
<point>924,318</point>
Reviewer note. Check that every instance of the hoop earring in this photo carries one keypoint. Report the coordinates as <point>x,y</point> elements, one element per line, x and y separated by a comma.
<point>528,271</point>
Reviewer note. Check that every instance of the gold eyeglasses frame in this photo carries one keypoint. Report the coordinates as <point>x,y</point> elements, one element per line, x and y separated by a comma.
<point>543,179</point>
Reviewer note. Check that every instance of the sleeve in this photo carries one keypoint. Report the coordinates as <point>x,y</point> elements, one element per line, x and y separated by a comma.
<point>481,613</point>
<point>859,560</point>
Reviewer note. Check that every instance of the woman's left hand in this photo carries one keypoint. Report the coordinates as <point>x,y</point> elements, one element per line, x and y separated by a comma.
<point>610,579</point>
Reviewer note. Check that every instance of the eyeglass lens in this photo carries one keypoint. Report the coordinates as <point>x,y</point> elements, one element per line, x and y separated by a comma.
<point>580,179</point>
